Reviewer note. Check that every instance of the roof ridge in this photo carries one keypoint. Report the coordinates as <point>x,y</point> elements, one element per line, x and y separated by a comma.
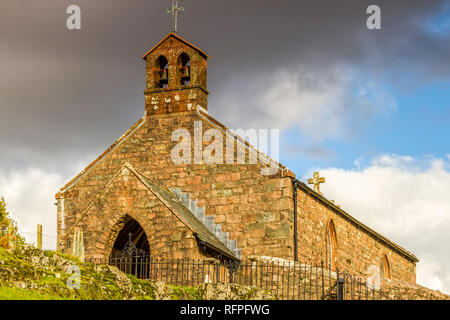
<point>172,34</point>
<point>202,113</point>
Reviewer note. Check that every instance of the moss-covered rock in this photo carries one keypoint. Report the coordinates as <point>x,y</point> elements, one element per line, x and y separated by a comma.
<point>47,273</point>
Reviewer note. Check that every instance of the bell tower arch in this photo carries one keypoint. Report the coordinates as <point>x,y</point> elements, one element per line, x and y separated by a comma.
<point>176,77</point>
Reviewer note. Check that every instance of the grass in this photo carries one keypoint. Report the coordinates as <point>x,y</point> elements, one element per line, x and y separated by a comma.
<point>25,294</point>
<point>183,293</point>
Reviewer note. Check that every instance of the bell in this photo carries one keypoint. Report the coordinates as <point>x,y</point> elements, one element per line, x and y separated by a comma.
<point>163,75</point>
<point>185,72</point>
<point>163,81</point>
<point>185,76</point>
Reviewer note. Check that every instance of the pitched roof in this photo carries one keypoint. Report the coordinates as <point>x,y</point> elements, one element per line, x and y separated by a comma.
<point>173,203</point>
<point>188,218</point>
<point>178,38</point>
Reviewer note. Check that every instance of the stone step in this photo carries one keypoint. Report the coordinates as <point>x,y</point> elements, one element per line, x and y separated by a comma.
<point>200,214</point>
<point>193,206</point>
<point>177,192</point>
<point>238,253</point>
<point>208,221</point>
<point>186,200</point>
<point>218,230</point>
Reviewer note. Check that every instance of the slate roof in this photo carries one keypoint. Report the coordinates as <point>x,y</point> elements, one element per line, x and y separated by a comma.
<point>174,204</point>
<point>188,218</point>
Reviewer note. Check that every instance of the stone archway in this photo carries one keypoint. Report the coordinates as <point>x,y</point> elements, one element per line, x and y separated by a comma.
<point>131,240</point>
<point>130,250</point>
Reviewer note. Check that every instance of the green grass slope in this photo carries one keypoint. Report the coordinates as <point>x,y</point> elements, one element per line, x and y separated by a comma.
<point>31,274</point>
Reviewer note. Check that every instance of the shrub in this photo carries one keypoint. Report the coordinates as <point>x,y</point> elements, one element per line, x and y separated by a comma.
<point>9,237</point>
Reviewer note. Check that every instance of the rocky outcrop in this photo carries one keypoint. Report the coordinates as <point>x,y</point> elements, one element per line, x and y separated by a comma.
<point>402,290</point>
<point>51,273</point>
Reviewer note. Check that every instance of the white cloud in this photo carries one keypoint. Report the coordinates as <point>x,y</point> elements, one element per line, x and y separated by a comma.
<point>321,103</point>
<point>30,195</point>
<point>405,199</point>
<point>30,198</point>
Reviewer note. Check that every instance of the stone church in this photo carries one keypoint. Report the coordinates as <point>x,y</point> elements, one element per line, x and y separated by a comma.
<point>227,210</point>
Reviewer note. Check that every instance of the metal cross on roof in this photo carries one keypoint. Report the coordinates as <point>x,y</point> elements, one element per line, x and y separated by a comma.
<point>174,10</point>
<point>316,180</point>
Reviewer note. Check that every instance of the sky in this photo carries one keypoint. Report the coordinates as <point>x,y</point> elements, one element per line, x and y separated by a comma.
<point>369,109</point>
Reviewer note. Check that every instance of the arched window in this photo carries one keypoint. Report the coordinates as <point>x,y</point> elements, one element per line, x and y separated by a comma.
<point>332,246</point>
<point>162,72</point>
<point>184,69</point>
<point>385,268</point>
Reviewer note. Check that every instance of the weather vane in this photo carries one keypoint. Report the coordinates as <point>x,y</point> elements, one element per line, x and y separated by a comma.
<point>174,10</point>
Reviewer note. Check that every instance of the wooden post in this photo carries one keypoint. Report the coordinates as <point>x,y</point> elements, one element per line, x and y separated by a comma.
<point>39,236</point>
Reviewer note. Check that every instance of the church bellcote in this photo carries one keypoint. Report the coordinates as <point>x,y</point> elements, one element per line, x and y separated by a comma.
<point>176,77</point>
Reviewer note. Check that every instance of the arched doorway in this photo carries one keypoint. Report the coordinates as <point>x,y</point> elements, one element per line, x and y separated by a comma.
<point>332,246</point>
<point>131,250</point>
<point>131,240</point>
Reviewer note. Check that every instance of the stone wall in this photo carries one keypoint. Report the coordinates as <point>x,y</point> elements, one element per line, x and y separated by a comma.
<point>357,249</point>
<point>402,290</point>
<point>254,209</point>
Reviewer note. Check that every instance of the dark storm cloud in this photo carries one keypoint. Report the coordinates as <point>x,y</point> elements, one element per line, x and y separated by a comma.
<point>65,94</point>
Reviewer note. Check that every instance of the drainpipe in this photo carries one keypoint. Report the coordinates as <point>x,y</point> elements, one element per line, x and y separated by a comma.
<point>294,186</point>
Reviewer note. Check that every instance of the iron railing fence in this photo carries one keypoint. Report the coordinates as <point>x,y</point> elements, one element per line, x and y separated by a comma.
<point>287,280</point>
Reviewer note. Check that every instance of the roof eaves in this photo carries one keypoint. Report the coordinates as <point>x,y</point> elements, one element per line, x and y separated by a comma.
<point>178,38</point>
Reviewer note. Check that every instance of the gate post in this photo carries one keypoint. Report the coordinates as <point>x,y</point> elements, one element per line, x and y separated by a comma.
<point>340,286</point>
<point>232,268</point>
<point>39,236</point>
